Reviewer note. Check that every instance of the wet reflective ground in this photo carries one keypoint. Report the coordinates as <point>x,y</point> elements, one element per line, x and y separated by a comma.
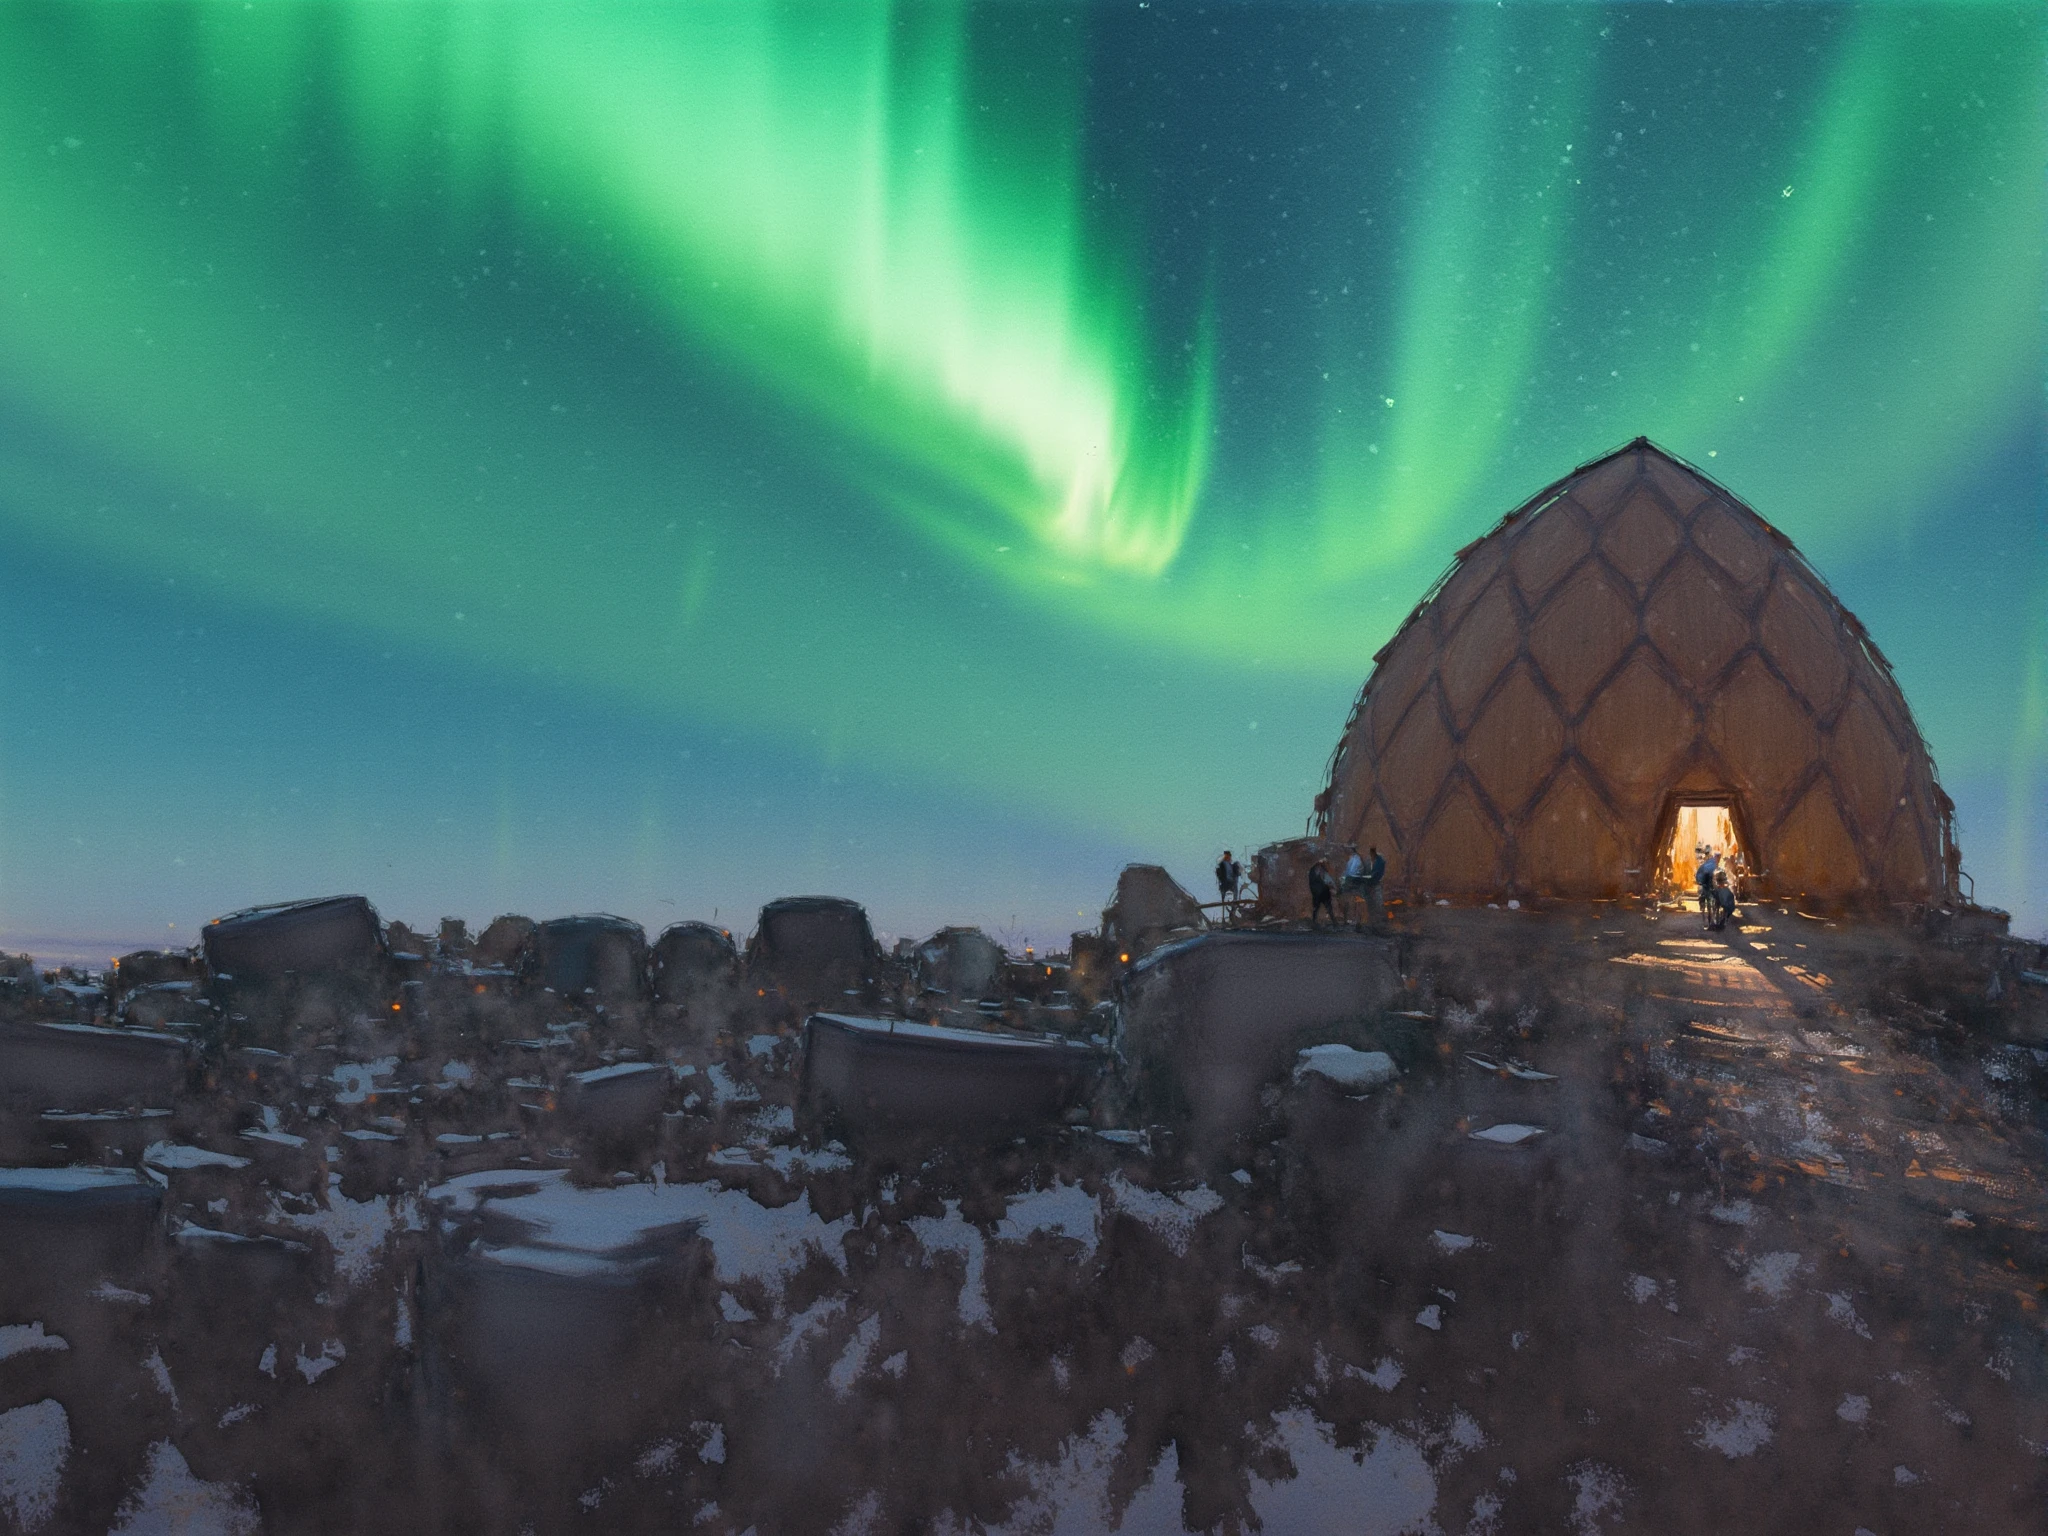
<point>1655,1231</point>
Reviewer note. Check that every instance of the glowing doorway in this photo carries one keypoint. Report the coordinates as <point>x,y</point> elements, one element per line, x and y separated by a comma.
<point>1696,831</point>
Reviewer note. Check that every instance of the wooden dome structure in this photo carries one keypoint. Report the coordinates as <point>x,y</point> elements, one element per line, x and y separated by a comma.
<point>1631,643</point>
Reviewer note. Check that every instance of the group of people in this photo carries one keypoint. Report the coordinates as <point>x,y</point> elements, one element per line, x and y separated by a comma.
<point>1717,894</point>
<point>1362,878</point>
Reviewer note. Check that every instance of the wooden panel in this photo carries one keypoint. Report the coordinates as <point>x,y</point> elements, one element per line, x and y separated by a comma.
<point>1912,859</point>
<point>1465,586</point>
<point>1478,653</point>
<point>1459,854</point>
<point>1601,489</point>
<point>1640,539</point>
<point>1693,623</point>
<point>1736,542</point>
<point>1801,637</point>
<point>1812,851</point>
<point>1636,733</point>
<point>1399,678</point>
<point>1677,484</point>
<point>1568,846</point>
<point>1762,733</point>
<point>1868,768</point>
<point>1514,745</point>
<point>1547,549</point>
<point>1415,764</point>
<point>1583,631</point>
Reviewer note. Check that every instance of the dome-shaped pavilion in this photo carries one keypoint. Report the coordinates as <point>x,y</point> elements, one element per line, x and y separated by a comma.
<point>1628,659</point>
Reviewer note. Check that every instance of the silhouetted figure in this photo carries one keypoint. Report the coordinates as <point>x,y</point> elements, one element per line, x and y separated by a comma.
<point>1708,868</point>
<point>1229,876</point>
<point>1322,893</point>
<point>1722,896</point>
<point>1375,900</point>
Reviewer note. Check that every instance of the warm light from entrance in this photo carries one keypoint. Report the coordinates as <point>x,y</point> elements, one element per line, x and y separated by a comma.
<point>1696,828</point>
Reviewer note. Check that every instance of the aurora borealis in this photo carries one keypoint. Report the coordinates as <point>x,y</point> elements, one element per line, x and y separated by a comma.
<point>555,457</point>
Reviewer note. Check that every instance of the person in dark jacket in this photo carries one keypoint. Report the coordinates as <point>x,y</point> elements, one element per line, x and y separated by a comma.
<point>1322,892</point>
<point>1229,875</point>
<point>1722,897</point>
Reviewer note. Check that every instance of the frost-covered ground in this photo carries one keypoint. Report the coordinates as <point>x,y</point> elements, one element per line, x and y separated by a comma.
<point>1602,1227</point>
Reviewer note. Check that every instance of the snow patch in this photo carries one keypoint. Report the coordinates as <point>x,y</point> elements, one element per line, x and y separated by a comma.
<point>170,1155</point>
<point>951,1234</point>
<point>35,1442</point>
<point>358,1079</point>
<point>1172,1217</point>
<point>1065,1210</point>
<point>356,1230</point>
<point>313,1367</point>
<point>1597,1495</point>
<point>1384,1489</point>
<point>854,1358</point>
<point>22,1338</point>
<point>1772,1274</point>
<point>1354,1070</point>
<point>1073,1495</point>
<point>171,1499</point>
<point>1386,1375</point>
<point>613,1228</point>
<point>1842,1310</point>
<point>161,1375</point>
<point>1744,1431</point>
<point>1508,1134</point>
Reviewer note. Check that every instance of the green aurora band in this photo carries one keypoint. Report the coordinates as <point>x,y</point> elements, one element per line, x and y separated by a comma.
<point>759,366</point>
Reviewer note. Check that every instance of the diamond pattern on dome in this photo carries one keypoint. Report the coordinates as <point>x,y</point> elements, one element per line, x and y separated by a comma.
<point>1374,830</point>
<point>1460,852</point>
<point>1680,486</point>
<point>1763,735</point>
<point>1580,634</point>
<point>1514,744</point>
<point>1640,538</point>
<point>1568,844</point>
<point>1467,582</point>
<point>1868,767</point>
<point>1912,862</point>
<point>1548,547</point>
<point>1414,764</point>
<point>1604,484</point>
<point>1396,681</point>
<point>1636,732</point>
<point>1811,850</point>
<point>1735,543</point>
<point>1691,620</point>
<point>1800,636</point>
<point>1484,644</point>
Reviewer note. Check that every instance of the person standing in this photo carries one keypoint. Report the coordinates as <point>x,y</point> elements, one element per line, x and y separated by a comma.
<point>1710,865</point>
<point>1375,900</point>
<point>1353,883</point>
<point>1229,875</point>
<point>1322,891</point>
<point>1723,896</point>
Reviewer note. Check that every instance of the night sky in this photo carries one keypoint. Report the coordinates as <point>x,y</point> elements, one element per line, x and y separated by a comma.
<point>549,457</point>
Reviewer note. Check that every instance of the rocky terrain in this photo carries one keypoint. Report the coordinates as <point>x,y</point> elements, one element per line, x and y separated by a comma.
<point>1640,1228</point>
